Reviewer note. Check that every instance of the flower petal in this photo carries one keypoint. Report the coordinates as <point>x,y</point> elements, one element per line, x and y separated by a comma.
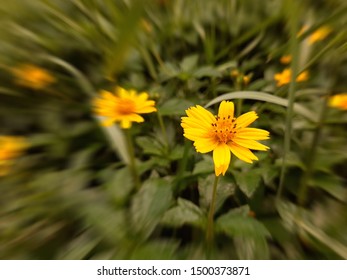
<point>221,159</point>
<point>201,114</point>
<point>242,153</point>
<point>195,133</point>
<point>246,119</point>
<point>188,122</point>
<point>205,145</point>
<point>226,108</point>
<point>252,133</point>
<point>250,144</point>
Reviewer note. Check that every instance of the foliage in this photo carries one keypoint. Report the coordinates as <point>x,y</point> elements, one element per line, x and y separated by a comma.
<point>73,195</point>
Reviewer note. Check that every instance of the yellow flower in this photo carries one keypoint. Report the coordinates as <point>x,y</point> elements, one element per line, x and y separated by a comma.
<point>11,147</point>
<point>32,76</point>
<point>284,77</point>
<point>223,134</point>
<point>124,106</point>
<point>319,35</point>
<point>339,101</point>
<point>246,79</point>
<point>286,59</point>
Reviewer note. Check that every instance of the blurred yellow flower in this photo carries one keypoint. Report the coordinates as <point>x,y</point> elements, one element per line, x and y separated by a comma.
<point>284,77</point>
<point>11,147</point>
<point>339,101</point>
<point>246,79</point>
<point>32,76</point>
<point>319,35</point>
<point>223,134</point>
<point>286,59</point>
<point>123,106</point>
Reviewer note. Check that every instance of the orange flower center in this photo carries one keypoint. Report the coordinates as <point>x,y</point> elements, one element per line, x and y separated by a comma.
<point>224,129</point>
<point>126,107</point>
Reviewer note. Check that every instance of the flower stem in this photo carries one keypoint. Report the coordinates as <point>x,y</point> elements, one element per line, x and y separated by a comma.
<point>302,193</point>
<point>293,22</point>
<point>210,226</point>
<point>163,130</point>
<point>132,159</point>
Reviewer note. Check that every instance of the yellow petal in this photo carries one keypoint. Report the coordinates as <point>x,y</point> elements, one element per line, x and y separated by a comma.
<point>242,153</point>
<point>188,122</point>
<point>226,108</point>
<point>201,114</point>
<point>205,145</point>
<point>194,133</point>
<point>125,124</point>
<point>252,133</point>
<point>250,144</point>
<point>221,159</point>
<point>246,119</point>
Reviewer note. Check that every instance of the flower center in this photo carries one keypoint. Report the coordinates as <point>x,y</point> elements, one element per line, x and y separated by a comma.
<point>126,107</point>
<point>224,129</point>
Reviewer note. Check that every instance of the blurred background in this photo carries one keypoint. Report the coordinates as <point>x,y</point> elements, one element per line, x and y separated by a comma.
<point>66,189</point>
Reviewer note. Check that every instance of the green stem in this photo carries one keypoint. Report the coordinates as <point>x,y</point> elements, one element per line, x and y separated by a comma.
<point>163,130</point>
<point>210,226</point>
<point>304,183</point>
<point>293,20</point>
<point>132,165</point>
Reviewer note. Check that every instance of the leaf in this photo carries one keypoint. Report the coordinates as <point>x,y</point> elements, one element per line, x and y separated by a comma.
<point>330,183</point>
<point>262,96</point>
<point>205,166</point>
<point>174,107</point>
<point>295,216</point>
<point>184,213</point>
<point>155,250</point>
<point>250,236</point>
<point>149,205</point>
<point>225,189</point>
<point>120,185</point>
<point>149,145</point>
<point>206,71</point>
<point>237,223</point>
<point>248,181</point>
<point>189,63</point>
<point>79,247</point>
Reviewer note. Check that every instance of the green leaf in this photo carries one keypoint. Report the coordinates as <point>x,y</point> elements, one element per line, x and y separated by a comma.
<point>155,250</point>
<point>237,223</point>
<point>174,107</point>
<point>185,212</point>
<point>206,71</point>
<point>225,189</point>
<point>248,181</point>
<point>295,216</point>
<point>262,96</point>
<point>79,247</point>
<point>119,185</point>
<point>149,145</point>
<point>205,166</point>
<point>189,63</point>
<point>330,183</point>
<point>149,205</point>
<point>250,236</point>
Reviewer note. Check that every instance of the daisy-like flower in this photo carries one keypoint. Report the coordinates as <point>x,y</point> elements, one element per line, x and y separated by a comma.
<point>11,147</point>
<point>339,101</point>
<point>284,77</point>
<point>32,76</point>
<point>223,134</point>
<point>123,106</point>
